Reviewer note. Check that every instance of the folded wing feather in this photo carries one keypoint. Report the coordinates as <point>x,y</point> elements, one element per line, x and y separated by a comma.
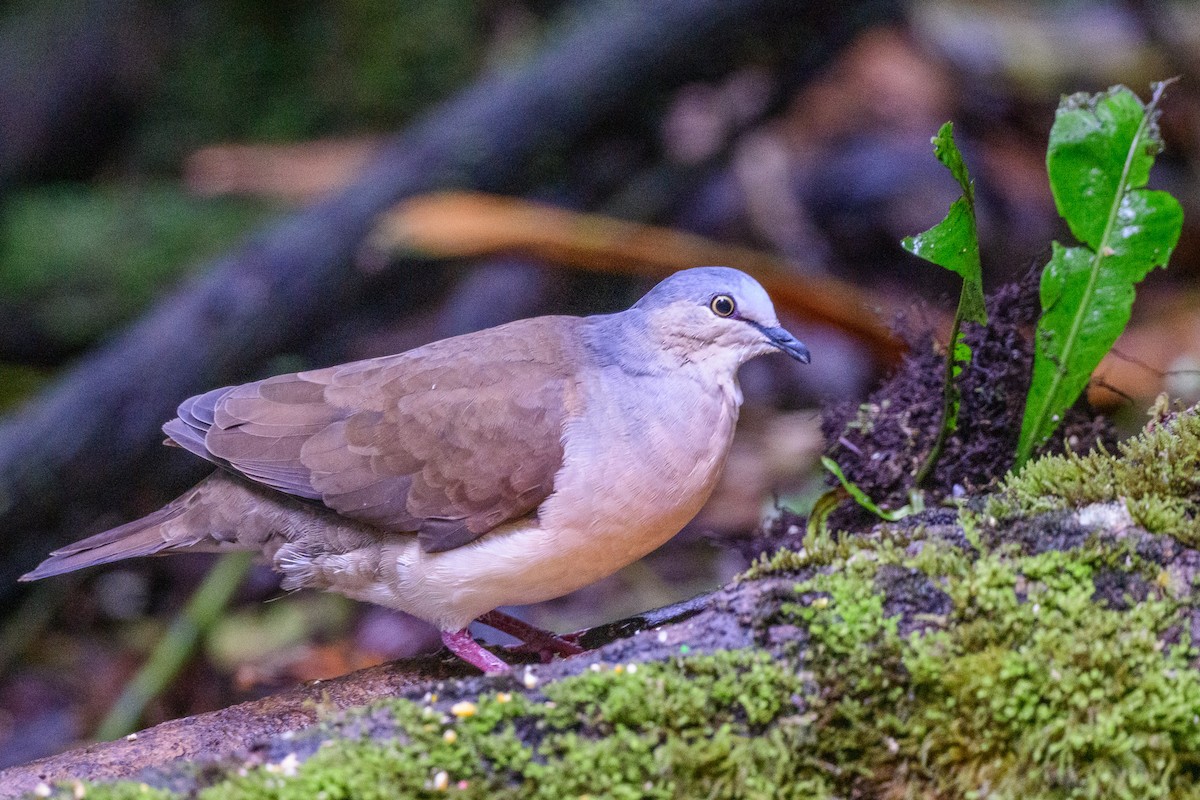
<point>449,440</point>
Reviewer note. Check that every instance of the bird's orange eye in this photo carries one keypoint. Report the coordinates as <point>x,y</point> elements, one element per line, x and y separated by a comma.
<point>722,305</point>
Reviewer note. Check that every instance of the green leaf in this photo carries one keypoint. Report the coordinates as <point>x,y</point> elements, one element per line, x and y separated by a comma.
<point>953,244</point>
<point>1101,150</point>
<point>861,497</point>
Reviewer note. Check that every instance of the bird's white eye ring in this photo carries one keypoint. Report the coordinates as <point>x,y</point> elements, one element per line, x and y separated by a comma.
<point>722,305</point>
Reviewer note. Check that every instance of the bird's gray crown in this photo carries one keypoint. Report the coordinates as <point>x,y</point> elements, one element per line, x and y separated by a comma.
<point>700,284</point>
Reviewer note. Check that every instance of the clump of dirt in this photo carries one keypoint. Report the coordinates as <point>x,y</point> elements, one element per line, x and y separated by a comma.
<point>881,443</point>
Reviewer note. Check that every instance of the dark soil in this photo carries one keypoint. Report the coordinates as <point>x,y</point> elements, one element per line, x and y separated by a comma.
<point>882,443</point>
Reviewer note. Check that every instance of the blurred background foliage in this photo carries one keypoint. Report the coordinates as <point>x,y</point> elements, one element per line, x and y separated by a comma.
<point>80,259</point>
<point>288,70</point>
<point>141,141</point>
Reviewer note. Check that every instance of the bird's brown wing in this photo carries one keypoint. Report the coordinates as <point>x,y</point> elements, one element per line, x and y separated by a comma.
<point>449,440</point>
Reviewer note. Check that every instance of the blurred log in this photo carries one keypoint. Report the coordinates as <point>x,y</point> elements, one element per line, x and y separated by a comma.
<point>96,426</point>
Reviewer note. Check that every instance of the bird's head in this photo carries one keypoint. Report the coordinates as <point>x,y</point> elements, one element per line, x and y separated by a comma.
<point>717,315</point>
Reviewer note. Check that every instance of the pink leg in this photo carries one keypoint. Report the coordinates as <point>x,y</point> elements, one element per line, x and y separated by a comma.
<point>538,639</point>
<point>466,648</point>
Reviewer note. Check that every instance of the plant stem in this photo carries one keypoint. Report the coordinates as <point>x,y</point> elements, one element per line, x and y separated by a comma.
<point>950,396</point>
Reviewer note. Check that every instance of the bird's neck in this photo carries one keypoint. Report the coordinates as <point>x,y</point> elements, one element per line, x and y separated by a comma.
<point>625,341</point>
<point>630,341</point>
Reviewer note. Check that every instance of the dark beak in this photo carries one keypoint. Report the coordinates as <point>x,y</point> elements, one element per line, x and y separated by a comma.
<point>785,342</point>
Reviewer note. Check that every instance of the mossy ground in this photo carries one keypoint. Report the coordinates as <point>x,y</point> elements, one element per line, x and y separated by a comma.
<point>1155,475</point>
<point>1032,686</point>
<point>962,656</point>
<point>1029,687</point>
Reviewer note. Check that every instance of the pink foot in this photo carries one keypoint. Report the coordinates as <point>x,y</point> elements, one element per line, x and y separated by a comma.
<point>470,651</point>
<point>540,641</point>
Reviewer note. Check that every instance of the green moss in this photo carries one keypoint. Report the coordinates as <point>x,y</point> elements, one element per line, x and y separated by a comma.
<point>720,726</point>
<point>818,550</point>
<point>1155,474</point>
<point>1032,688</point>
<point>823,548</point>
<point>1065,698</point>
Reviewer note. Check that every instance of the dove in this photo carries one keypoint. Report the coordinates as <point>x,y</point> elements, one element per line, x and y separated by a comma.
<point>502,467</point>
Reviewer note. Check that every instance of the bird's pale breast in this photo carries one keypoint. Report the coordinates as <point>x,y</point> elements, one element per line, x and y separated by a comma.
<point>638,466</point>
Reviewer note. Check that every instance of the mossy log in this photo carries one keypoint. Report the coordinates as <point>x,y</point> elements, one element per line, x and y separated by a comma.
<point>1015,647</point>
<point>241,731</point>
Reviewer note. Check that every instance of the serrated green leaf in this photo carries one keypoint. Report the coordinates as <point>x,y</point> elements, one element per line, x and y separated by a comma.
<point>952,244</point>
<point>948,153</point>
<point>1099,159</point>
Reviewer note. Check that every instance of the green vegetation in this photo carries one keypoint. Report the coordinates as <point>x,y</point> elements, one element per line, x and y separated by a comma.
<point>1101,150</point>
<point>1155,475</point>
<point>721,726</point>
<point>954,244</point>
<point>78,260</point>
<point>915,505</point>
<point>281,71</point>
<point>1033,689</point>
<point>1100,153</point>
<point>662,731</point>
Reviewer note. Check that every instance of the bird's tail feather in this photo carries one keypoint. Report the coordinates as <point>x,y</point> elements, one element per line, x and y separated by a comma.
<point>191,523</point>
<point>142,537</point>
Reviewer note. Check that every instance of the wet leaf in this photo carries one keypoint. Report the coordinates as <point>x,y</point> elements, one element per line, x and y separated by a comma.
<point>953,243</point>
<point>1101,150</point>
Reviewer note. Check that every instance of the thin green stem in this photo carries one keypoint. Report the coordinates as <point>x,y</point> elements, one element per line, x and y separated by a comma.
<point>950,397</point>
